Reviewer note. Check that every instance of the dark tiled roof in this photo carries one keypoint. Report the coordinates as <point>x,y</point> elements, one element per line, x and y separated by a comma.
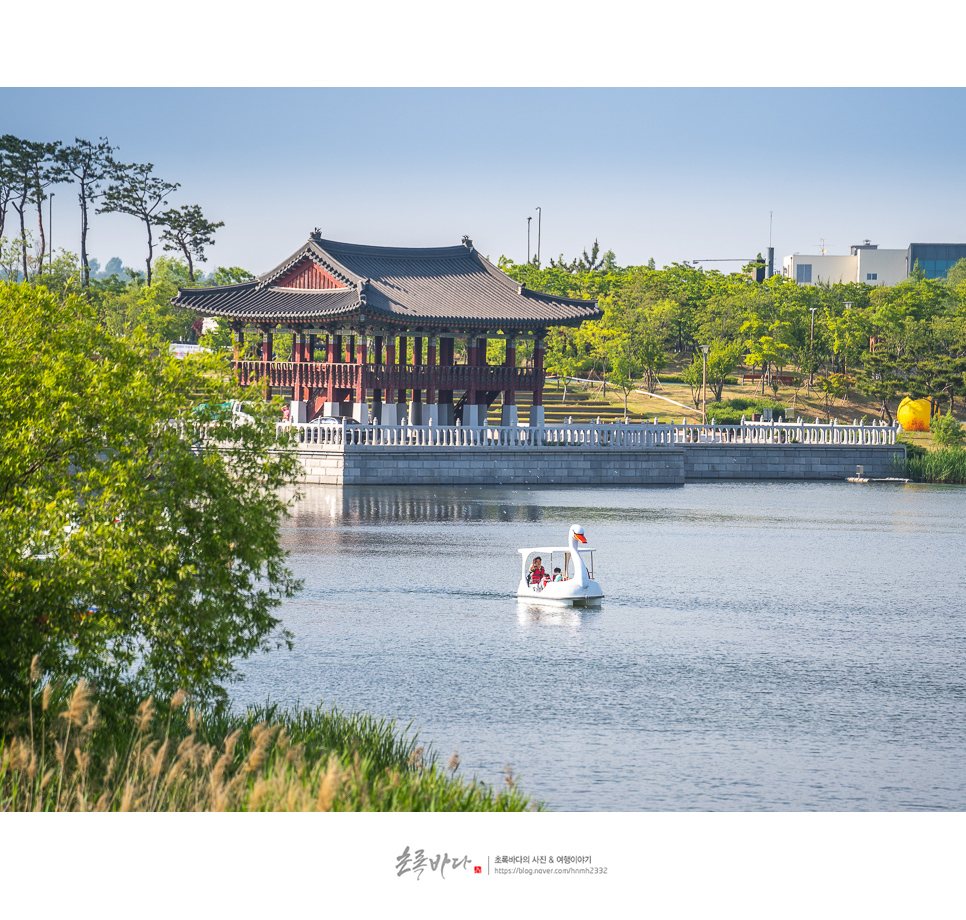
<point>269,304</point>
<point>450,285</point>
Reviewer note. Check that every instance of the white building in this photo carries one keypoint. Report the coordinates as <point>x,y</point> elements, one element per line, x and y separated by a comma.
<point>866,264</point>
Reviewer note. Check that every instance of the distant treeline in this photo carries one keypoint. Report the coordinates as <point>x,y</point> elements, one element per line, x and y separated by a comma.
<point>30,170</point>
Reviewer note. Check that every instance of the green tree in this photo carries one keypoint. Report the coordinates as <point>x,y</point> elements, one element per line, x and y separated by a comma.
<point>623,369</point>
<point>764,352</point>
<point>232,275</point>
<point>877,377</point>
<point>186,230</point>
<point>833,386</point>
<point>45,170</point>
<point>134,190</point>
<point>8,178</point>
<point>17,162</point>
<point>649,352</point>
<point>128,307</point>
<point>723,358</point>
<point>129,556</point>
<point>88,163</point>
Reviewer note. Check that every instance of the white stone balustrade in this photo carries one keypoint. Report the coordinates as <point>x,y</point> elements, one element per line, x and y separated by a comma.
<point>314,437</point>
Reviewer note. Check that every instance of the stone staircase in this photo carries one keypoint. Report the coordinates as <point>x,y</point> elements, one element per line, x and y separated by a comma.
<point>581,406</point>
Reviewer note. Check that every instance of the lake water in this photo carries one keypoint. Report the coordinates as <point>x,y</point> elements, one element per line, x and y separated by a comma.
<point>761,646</point>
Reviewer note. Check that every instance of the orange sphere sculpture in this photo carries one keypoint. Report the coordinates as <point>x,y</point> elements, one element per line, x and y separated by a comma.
<point>914,414</point>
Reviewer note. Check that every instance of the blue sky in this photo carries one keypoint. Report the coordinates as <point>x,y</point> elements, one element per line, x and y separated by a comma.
<point>672,174</point>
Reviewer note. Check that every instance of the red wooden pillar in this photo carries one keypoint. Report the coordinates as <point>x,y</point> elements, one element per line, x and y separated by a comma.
<point>417,363</point>
<point>302,355</point>
<point>431,365</point>
<point>308,356</point>
<point>481,362</point>
<point>471,363</point>
<point>510,392</point>
<point>238,341</point>
<point>444,400</point>
<point>447,351</point>
<point>296,359</point>
<point>267,362</point>
<point>362,357</point>
<point>401,363</point>
<point>538,347</point>
<point>390,367</point>
<point>377,394</point>
<point>330,348</point>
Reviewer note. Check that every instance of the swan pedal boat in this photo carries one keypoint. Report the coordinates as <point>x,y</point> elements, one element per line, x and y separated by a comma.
<point>580,590</point>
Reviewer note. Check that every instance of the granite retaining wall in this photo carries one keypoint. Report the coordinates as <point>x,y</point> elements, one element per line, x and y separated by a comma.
<point>703,462</point>
<point>516,466</point>
<point>652,466</point>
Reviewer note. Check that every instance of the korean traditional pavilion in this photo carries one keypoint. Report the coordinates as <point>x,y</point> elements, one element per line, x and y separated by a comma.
<point>386,322</point>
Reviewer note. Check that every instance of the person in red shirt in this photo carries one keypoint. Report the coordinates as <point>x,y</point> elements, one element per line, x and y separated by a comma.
<point>537,572</point>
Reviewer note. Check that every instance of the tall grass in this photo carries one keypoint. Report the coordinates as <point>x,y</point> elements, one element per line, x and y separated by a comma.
<point>948,464</point>
<point>61,757</point>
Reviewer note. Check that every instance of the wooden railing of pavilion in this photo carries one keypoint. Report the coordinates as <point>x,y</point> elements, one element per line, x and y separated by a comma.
<point>385,376</point>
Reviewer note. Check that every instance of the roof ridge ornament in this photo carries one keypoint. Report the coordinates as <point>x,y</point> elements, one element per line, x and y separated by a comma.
<point>467,242</point>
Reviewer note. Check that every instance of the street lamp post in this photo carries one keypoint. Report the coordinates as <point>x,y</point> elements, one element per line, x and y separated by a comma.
<point>539,222</point>
<point>528,239</point>
<point>704,384</point>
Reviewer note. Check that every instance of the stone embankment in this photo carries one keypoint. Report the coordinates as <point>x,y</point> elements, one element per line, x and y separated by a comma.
<point>633,455</point>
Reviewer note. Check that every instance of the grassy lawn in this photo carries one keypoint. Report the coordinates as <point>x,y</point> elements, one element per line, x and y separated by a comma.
<point>802,402</point>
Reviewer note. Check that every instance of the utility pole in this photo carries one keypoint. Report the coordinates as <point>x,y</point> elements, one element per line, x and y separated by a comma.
<point>528,239</point>
<point>539,221</point>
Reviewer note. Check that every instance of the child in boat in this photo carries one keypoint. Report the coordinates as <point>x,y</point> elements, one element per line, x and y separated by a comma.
<point>557,576</point>
<point>537,572</point>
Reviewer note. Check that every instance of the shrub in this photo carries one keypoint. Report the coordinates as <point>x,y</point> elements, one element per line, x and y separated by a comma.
<point>730,411</point>
<point>947,432</point>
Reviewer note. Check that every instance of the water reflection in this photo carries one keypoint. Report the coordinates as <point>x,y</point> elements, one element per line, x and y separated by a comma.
<point>392,505</point>
<point>536,615</point>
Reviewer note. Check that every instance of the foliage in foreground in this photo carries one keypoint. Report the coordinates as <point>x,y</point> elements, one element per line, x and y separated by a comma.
<point>948,464</point>
<point>62,757</point>
<point>128,555</point>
